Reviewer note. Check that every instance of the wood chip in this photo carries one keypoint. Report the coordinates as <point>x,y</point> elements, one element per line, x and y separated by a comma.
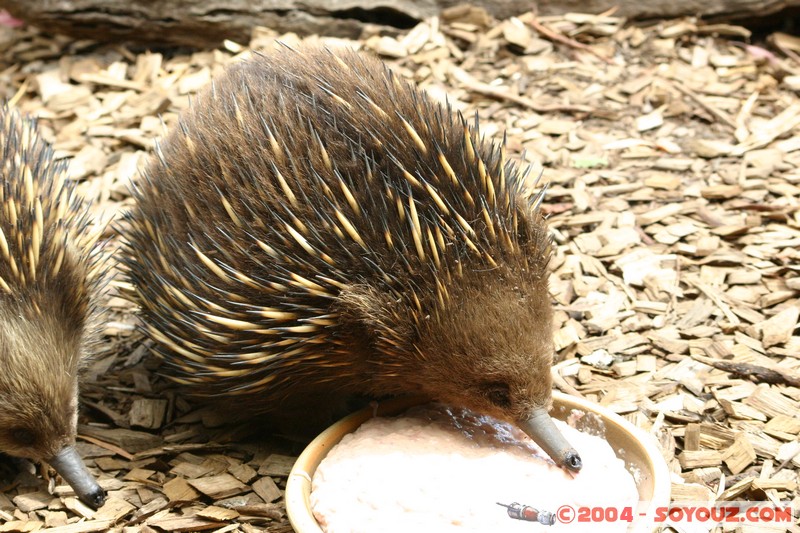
<point>78,507</point>
<point>181,523</point>
<point>740,455</point>
<point>786,424</point>
<point>721,192</point>
<point>219,514</point>
<point>83,527</point>
<point>736,490</point>
<point>276,465</point>
<point>243,472</point>
<point>779,329</point>
<point>690,492</point>
<point>148,413</point>
<point>770,402</point>
<point>179,490</point>
<point>700,458</point>
<point>267,490</point>
<point>113,510</point>
<point>32,501</point>
<point>218,487</point>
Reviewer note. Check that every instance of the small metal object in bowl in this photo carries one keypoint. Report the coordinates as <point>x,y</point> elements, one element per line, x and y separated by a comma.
<point>636,448</point>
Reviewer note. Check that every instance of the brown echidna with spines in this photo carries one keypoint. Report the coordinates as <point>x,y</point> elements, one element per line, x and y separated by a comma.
<point>316,227</point>
<point>49,282</point>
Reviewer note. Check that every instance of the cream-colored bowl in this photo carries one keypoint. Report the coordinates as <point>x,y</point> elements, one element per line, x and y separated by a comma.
<point>632,445</point>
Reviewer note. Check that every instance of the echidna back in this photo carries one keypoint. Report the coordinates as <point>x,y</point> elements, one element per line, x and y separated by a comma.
<point>47,269</point>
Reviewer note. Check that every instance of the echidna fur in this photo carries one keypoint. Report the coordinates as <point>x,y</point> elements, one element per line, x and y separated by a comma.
<point>316,226</point>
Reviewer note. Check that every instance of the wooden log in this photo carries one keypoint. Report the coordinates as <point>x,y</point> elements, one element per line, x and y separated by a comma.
<point>208,22</point>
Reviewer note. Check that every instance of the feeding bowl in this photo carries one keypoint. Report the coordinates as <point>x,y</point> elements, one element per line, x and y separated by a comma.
<point>635,447</point>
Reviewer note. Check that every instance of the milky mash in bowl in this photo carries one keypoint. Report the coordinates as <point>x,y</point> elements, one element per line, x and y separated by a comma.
<point>438,469</point>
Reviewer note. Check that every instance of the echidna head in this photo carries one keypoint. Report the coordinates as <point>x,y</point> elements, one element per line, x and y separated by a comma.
<point>40,354</point>
<point>488,347</point>
<point>38,383</point>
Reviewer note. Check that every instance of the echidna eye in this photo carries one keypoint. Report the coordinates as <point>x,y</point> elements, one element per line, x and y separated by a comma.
<point>23,436</point>
<point>498,393</point>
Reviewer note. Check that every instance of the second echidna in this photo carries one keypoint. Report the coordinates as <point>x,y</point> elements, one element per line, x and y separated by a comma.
<point>49,281</point>
<point>316,227</point>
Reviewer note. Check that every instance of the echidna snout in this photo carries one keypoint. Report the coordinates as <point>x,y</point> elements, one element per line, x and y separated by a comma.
<point>48,291</point>
<point>492,354</point>
<point>39,398</point>
<point>316,227</point>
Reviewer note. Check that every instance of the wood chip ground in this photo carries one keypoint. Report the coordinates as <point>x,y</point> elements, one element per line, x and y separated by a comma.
<point>673,158</point>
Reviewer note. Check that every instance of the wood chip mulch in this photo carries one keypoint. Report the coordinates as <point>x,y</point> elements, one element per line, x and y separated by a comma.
<point>673,157</point>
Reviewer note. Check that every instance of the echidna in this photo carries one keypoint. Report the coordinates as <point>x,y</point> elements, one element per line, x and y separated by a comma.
<point>316,227</point>
<point>48,287</point>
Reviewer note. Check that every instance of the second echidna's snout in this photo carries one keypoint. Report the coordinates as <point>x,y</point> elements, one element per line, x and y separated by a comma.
<point>39,397</point>
<point>317,227</point>
<point>48,290</point>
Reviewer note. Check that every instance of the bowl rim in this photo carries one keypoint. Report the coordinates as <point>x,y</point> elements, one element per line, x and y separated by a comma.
<point>298,484</point>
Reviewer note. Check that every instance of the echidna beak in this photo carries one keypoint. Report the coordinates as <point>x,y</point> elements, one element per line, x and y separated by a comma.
<point>543,431</point>
<point>70,466</point>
